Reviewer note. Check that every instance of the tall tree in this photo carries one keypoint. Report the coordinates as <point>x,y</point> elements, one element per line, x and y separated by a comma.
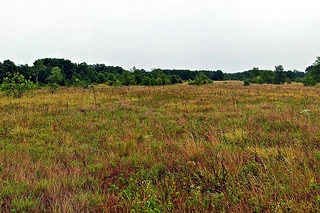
<point>279,75</point>
<point>37,68</point>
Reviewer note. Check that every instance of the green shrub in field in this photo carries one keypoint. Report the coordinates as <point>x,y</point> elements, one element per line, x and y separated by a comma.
<point>257,80</point>
<point>201,79</point>
<point>308,81</point>
<point>246,82</point>
<point>16,85</point>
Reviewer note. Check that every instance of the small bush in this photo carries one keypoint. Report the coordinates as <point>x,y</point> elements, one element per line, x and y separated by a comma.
<point>246,83</point>
<point>257,80</point>
<point>16,85</point>
<point>308,81</point>
<point>200,80</point>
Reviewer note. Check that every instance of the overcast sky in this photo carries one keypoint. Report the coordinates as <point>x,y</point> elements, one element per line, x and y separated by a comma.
<point>231,35</point>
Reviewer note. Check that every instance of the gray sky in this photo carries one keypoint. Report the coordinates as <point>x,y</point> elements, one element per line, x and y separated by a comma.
<point>231,35</point>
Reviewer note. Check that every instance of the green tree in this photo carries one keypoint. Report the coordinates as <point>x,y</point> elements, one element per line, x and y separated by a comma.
<point>255,72</point>
<point>146,81</point>
<point>175,79</point>
<point>158,81</point>
<point>315,71</point>
<point>55,79</point>
<point>267,76</point>
<point>110,79</point>
<point>127,79</point>
<point>317,62</point>
<point>16,85</point>
<point>279,75</point>
<point>313,76</point>
<point>37,68</point>
<point>101,78</point>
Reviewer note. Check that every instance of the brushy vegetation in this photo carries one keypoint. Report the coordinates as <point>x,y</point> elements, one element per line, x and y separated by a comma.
<point>219,147</point>
<point>279,76</point>
<point>200,80</point>
<point>15,85</point>
<point>45,72</point>
<point>246,83</point>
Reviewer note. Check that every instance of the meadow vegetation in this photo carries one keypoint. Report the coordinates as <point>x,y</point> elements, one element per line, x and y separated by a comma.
<point>218,147</point>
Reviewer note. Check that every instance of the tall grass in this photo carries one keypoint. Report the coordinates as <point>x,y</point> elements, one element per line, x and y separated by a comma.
<point>182,148</point>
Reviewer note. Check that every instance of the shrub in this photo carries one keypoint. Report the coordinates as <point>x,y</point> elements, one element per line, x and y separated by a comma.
<point>308,81</point>
<point>201,79</point>
<point>246,82</point>
<point>16,85</point>
<point>257,80</point>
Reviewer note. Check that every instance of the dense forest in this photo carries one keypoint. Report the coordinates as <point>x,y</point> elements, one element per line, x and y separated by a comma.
<point>83,74</point>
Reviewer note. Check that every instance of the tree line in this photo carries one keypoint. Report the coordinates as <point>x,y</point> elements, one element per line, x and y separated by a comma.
<point>84,74</point>
<point>310,77</point>
<point>312,74</point>
<point>61,72</point>
<point>276,76</point>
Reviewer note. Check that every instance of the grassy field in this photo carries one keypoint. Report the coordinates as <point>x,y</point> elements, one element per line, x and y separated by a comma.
<point>213,148</point>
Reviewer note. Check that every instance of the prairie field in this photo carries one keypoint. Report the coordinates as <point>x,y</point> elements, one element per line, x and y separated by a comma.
<point>221,147</point>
